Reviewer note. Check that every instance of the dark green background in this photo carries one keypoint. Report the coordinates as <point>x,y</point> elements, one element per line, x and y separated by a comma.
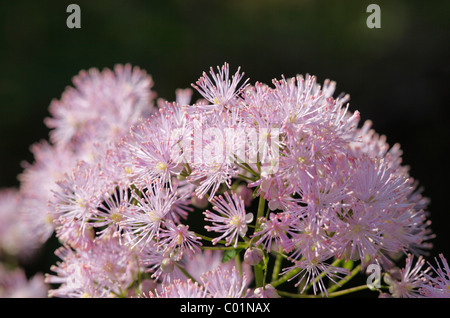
<point>397,76</point>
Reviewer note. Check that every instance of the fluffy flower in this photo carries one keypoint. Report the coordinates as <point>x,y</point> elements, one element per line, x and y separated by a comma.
<point>178,240</point>
<point>145,219</point>
<point>313,269</point>
<point>221,90</point>
<point>223,283</point>
<point>15,284</point>
<point>438,285</point>
<point>407,282</point>
<point>79,194</point>
<point>275,231</point>
<point>180,289</point>
<point>231,219</point>
<point>163,268</point>
<point>106,269</point>
<point>100,107</point>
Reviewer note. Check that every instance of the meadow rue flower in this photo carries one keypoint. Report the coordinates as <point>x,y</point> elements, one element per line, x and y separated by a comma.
<point>231,219</point>
<point>12,229</point>
<point>16,284</point>
<point>267,291</point>
<point>313,269</point>
<point>275,231</point>
<point>223,283</point>
<point>106,269</point>
<point>145,219</point>
<point>100,107</point>
<point>180,289</point>
<point>178,240</point>
<point>438,282</point>
<point>133,188</point>
<point>208,260</point>
<point>163,268</point>
<point>220,91</point>
<point>79,194</point>
<point>406,283</point>
<point>108,215</point>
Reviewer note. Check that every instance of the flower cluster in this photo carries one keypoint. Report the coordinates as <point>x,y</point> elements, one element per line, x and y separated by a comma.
<point>151,198</point>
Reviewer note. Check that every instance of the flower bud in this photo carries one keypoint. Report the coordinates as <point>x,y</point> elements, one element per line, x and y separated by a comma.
<point>267,291</point>
<point>253,256</point>
<point>200,203</point>
<point>167,265</point>
<point>245,193</point>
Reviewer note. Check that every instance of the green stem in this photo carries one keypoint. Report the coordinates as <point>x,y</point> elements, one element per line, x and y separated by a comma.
<point>330,295</point>
<point>277,266</point>
<point>247,178</point>
<point>186,273</point>
<point>292,295</point>
<point>259,275</point>
<point>285,277</point>
<point>207,238</point>
<point>238,263</point>
<point>322,275</point>
<point>261,207</point>
<point>345,280</point>
<point>247,168</point>
<point>348,291</point>
<point>221,248</point>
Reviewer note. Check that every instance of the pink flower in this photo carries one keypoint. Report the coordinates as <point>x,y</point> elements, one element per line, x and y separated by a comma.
<point>178,240</point>
<point>437,286</point>
<point>78,196</point>
<point>314,270</point>
<point>100,107</point>
<point>275,231</point>
<point>231,219</point>
<point>220,90</point>
<point>15,284</point>
<point>106,269</point>
<point>223,283</point>
<point>376,185</point>
<point>37,183</point>
<point>357,233</point>
<point>111,212</point>
<point>267,291</point>
<point>155,155</point>
<point>180,289</point>
<point>406,283</point>
<point>209,260</point>
<point>162,267</point>
<point>144,220</point>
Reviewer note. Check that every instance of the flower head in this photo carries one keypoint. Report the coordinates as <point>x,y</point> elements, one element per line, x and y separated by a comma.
<point>438,285</point>
<point>220,90</point>
<point>15,284</point>
<point>145,220</point>
<point>178,240</point>
<point>224,283</point>
<point>180,289</point>
<point>406,283</point>
<point>231,219</point>
<point>100,107</point>
<point>106,269</point>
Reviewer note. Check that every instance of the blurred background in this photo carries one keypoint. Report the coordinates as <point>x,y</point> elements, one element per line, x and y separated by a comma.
<point>398,75</point>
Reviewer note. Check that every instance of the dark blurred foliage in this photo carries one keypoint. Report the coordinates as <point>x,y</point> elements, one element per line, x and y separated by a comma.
<point>397,76</point>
